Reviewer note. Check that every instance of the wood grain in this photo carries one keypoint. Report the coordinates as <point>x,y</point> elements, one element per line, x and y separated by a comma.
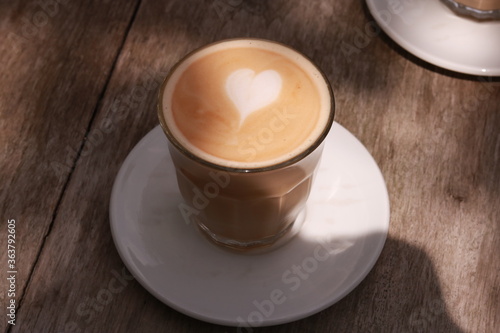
<point>82,91</point>
<point>55,63</point>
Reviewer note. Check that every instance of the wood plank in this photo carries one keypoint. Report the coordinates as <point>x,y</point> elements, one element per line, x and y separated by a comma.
<point>55,59</point>
<point>435,135</point>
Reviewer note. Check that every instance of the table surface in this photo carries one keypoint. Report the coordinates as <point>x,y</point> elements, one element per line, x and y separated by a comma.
<point>78,90</point>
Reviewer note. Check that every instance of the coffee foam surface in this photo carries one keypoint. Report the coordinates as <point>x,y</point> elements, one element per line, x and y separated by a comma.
<point>246,103</point>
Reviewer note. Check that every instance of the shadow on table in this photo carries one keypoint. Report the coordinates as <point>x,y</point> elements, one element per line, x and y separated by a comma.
<point>402,293</point>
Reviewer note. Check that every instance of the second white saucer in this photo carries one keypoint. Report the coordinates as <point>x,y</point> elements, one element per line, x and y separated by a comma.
<point>433,32</point>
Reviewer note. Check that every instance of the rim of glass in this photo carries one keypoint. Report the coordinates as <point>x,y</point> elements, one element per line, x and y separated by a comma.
<point>171,138</point>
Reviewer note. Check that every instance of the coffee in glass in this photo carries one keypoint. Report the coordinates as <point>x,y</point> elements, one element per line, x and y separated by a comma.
<point>246,120</point>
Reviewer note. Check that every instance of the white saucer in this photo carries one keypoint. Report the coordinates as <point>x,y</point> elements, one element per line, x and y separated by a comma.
<point>348,212</point>
<point>434,33</point>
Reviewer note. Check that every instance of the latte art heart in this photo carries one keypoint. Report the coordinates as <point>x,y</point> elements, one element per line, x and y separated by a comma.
<point>250,92</point>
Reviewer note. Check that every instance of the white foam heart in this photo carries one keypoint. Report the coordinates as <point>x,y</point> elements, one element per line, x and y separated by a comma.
<point>250,92</point>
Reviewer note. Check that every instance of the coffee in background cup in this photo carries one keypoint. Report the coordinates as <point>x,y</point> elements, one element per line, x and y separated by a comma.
<point>480,9</point>
<point>246,119</point>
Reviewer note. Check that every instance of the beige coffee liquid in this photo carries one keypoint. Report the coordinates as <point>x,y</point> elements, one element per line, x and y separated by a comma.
<point>481,4</point>
<point>246,103</point>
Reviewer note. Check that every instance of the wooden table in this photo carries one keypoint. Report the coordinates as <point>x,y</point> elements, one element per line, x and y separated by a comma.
<point>78,90</point>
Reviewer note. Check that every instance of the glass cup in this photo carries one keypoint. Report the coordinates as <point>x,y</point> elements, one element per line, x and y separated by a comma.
<point>479,9</point>
<point>247,209</point>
